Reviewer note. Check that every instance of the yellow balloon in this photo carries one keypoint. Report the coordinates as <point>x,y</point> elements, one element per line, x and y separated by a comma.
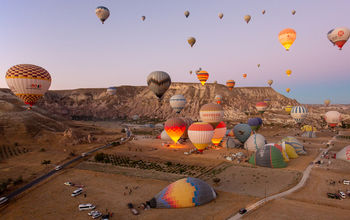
<point>287,37</point>
<point>288,90</point>
<point>288,72</point>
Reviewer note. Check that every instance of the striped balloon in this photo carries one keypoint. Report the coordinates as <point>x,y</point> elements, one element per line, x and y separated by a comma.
<point>178,102</point>
<point>112,91</point>
<point>332,118</point>
<point>261,107</point>
<point>158,82</point>
<point>299,113</point>
<point>203,76</point>
<point>28,82</point>
<point>219,133</point>
<point>218,99</point>
<point>175,127</point>
<point>200,134</point>
<point>230,84</point>
<point>102,13</point>
<point>211,113</point>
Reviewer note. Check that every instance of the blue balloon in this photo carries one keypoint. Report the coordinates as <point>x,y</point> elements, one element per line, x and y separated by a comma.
<point>254,123</point>
<point>242,132</point>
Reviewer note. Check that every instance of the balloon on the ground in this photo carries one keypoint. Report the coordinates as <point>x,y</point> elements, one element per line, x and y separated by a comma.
<point>229,143</point>
<point>230,84</point>
<point>242,132</point>
<point>164,136</point>
<point>158,82</point>
<point>327,102</point>
<point>268,156</point>
<point>102,13</point>
<point>287,37</point>
<point>270,82</point>
<point>254,142</point>
<point>283,151</point>
<point>211,113</point>
<point>261,107</point>
<point>28,82</point>
<point>111,90</point>
<point>187,13</point>
<point>288,108</point>
<point>299,113</point>
<point>344,154</point>
<point>308,128</point>
<point>295,143</point>
<point>178,102</point>
<point>191,41</point>
<point>333,118</point>
<point>175,127</point>
<point>247,18</point>
<point>218,99</point>
<point>203,76</point>
<point>254,123</point>
<point>289,150</point>
<point>339,36</point>
<point>288,72</point>
<point>219,133</point>
<point>200,134</point>
<point>183,193</point>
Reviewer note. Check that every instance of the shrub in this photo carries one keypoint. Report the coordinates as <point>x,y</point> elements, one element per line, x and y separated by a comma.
<point>17,181</point>
<point>99,157</point>
<point>42,150</point>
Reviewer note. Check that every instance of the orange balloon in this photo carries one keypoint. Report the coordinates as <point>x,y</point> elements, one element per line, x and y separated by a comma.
<point>203,76</point>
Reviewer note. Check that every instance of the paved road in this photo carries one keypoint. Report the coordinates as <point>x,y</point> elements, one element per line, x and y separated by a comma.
<point>302,182</point>
<point>47,175</point>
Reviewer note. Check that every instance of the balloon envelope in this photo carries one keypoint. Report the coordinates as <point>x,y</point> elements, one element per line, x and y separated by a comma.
<point>219,133</point>
<point>191,41</point>
<point>218,99</point>
<point>254,142</point>
<point>299,113</point>
<point>230,84</point>
<point>158,82</point>
<point>242,132</point>
<point>175,127</point>
<point>203,76</point>
<point>221,15</point>
<point>247,18</point>
<point>178,102</point>
<point>102,13</point>
<point>268,156</point>
<point>287,37</point>
<point>211,113</point>
<point>339,36</point>
<point>187,13</point>
<point>261,107</point>
<point>333,118</point>
<point>200,134</point>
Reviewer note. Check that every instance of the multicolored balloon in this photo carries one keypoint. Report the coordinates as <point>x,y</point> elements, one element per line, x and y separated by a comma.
<point>158,82</point>
<point>211,113</point>
<point>261,107</point>
<point>219,133</point>
<point>247,18</point>
<point>200,134</point>
<point>28,82</point>
<point>102,13</point>
<point>299,113</point>
<point>218,99</point>
<point>178,102</point>
<point>268,156</point>
<point>270,82</point>
<point>339,36</point>
<point>287,37</point>
<point>191,41</point>
<point>333,118</point>
<point>175,127</point>
<point>230,84</point>
<point>288,72</point>
<point>203,76</point>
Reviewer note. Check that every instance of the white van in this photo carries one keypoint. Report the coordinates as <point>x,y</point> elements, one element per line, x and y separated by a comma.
<point>3,200</point>
<point>88,206</point>
<point>346,182</point>
<point>77,192</point>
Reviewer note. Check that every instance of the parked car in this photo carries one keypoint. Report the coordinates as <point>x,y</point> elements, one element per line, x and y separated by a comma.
<point>96,214</point>
<point>346,182</point>
<point>88,206</point>
<point>242,211</point>
<point>105,217</point>
<point>331,195</point>
<point>83,154</point>
<point>77,192</point>
<point>342,194</point>
<point>92,212</point>
<point>3,200</point>
<point>68,184</point>
<point>58,167</point>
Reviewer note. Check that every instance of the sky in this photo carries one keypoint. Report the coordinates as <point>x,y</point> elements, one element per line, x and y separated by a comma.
<point>66,38</point>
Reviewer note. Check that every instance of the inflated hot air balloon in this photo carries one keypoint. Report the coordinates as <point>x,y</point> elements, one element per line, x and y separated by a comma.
<point>187,13</point>
<point>218,99</point>
<point>191,72</point>
<point>267,101</point>
<point>191,41</point>
<point>288,90</point>
<point>295,143</point>
<point>270,82</point>
<point>263,12</point>
<point>244,75</point>
<point>200,134</point>
<point>143,18</point>
<point>178,102</point>
<point>164,136</point>
<point>188,122</point>
<point>175,127</point>
<point>219,133</point>
<point>221,15</point>
<point>299,113</point>
<point>261,107</point>
<point>288,108</point>
<point>247,18</point>
<point>287,37</point>
<point>288,72</point>
<point>268,156</point>
<point>327,102</point>
<point>202,76</point>
<point>339,36</point>
<point>112,90</point>
<point>293,12</point>
<point>258,65</point>
<point>333,118</point>
<point>230,84</point>
<point>28,82</point>
<point>211,113</point>
<point>158,82</point>
<point>102,13</point>
<point>183,193</point>
<point>242,132</point>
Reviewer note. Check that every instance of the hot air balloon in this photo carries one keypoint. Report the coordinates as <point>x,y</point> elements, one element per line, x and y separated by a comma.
<point>270,82</point>
<point>244,75</point>
<point>164,136</point>
<point>242,132</point>
<point>288,90</point>
<point>218,99</point>
<point>211,113</point>
<point>254,142</point>
<point>267,101</point>
<point>333,118</point>
<point>178,102</point>
<point>191,72</point>
<point>288,72</point>
<point>295,143</point>
<point>293,12</point>
<point>175,127</point>
<point>102,13</point>
<point>143,18</point>
<point>299,113</point>
<point>261,107</point>
<point>254,123</point>
<point>230,84</point>
<point>327,102</point>
<point>221,15</point>
<point>200,134</point>
<point>329,36</point>
<point>288,108</point>
<point>219,133</point>
<point>191,41</point>
<point>268,156</point>
<point>28,82</point>
<point>158,82</point>
<point>247,18</point>
<point>263,12</point>
<point>202,76</point>
<point>112,90</point>
<point>287,37</point>
<point>183,193</point>
<point>339,36</point>
<point>187,13</point>
<point>344,154</point>
<point>258,65</point>
<point>188,123</point>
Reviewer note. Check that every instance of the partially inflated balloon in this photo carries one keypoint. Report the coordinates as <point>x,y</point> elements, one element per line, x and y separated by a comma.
<point>200,134</point>
<point>191,41</point>
<point>288,72</point>
<point>339,36</point>
<point>178,102</point>
<point>287,37</point>
<point>327,102</point>
<point>175,127</point>
<point>187,13</point>
<point>247,18</point>
<point>244,75</point>
<point>102,13</point>
<point>28,82</point>
<point>218,99</point>
<point>270,82</point>
<point>230,84</point>
<point>202,76</point>
<point>333,118</point>
<point>288,90</point>
<point>219,133</point>
<point>293,12</point>
<point>221,15</point>
<point>158,82</point>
